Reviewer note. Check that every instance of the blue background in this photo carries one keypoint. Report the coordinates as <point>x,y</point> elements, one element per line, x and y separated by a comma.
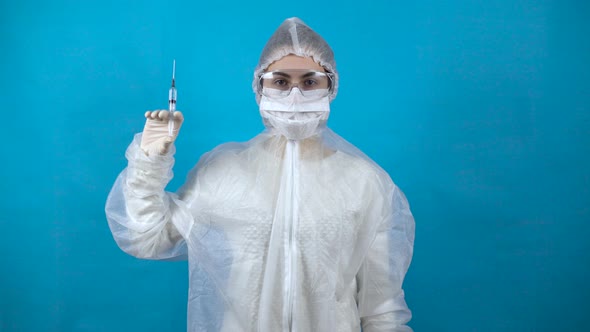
<point>479,110</point>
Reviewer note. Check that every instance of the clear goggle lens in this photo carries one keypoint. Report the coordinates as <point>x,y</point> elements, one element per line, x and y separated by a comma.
<point>279,83</point>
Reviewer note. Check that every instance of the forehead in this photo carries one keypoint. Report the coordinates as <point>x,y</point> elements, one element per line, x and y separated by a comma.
<point>295,62</point>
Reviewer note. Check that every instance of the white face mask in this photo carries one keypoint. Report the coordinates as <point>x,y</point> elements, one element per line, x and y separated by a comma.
<point>295,116</point>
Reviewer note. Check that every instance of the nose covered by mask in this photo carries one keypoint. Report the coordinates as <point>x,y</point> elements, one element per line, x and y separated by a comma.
<point>295,116</point>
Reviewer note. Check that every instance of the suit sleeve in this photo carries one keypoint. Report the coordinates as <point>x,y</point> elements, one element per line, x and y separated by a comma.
<point>145,220</point>
<point>382,306</point>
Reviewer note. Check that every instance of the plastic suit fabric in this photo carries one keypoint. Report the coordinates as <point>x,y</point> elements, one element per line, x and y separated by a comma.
<point>280,235</point>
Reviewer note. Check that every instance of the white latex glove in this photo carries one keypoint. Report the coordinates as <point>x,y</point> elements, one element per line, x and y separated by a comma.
<point>155,139</point>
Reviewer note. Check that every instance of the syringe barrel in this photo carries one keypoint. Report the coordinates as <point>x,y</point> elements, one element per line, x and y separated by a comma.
<point>172,99</point>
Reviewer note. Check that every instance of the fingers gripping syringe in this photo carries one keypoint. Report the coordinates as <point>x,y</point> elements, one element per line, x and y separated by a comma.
<point>172,103</point>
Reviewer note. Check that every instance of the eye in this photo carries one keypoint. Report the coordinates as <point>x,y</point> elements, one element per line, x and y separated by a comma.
<point>310,82</point>
<point>280,82</point>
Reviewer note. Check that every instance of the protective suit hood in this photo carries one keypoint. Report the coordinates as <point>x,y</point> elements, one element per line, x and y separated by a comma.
<point>293,36</point>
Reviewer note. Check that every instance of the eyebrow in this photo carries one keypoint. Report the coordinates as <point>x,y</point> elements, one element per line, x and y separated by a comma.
<point>308,74</point>
<point>282,74</point>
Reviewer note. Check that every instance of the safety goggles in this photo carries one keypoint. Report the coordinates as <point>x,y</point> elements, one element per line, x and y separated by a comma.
<point>279,83</point>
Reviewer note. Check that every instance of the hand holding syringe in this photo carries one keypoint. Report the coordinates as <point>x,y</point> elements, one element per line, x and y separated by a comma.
<point>162,126</point>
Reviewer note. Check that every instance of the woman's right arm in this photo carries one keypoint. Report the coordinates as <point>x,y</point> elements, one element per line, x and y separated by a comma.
<point>146,221</point>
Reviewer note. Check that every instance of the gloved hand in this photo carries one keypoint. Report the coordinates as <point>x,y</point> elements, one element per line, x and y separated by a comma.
<point>155,139</point>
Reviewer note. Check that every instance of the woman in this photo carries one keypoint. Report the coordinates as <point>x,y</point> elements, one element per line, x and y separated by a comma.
<point>294,230</point>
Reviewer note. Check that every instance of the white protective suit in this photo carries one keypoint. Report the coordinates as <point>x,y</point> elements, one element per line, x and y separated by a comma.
<point>281,235</point>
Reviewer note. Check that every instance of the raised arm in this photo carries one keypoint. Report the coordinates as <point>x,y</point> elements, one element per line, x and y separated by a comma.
<point>146,221</point>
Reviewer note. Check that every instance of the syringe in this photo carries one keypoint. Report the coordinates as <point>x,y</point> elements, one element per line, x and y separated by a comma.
<point>172,102</point>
